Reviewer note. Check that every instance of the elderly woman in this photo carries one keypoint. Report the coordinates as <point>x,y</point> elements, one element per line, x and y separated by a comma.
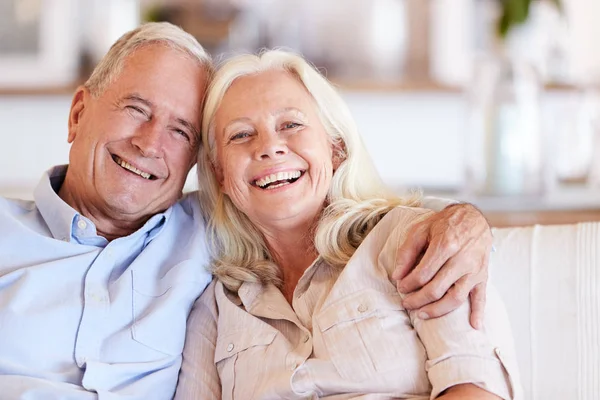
<point>304,238</point>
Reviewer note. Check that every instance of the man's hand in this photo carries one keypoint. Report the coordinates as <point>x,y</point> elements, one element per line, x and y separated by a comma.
<point>452,249</point>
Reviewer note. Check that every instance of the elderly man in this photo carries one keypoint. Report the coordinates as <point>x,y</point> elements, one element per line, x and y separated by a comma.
<point>99,272</point>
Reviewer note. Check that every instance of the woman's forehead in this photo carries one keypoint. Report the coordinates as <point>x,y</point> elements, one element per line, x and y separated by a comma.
<point>275,92</point>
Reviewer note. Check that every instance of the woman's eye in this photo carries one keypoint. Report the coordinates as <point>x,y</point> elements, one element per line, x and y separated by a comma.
<point>290,125</point>
<point>240,135</point>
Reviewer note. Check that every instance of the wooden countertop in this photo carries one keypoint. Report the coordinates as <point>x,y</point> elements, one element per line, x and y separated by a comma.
<point>564,206</point>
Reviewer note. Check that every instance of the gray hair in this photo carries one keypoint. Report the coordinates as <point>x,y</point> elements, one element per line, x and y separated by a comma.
<point>150,33</point>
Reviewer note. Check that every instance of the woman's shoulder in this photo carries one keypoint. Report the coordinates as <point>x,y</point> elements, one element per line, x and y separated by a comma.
<point>207,302</point>
<point>402,216</point>
<point>392,228</point>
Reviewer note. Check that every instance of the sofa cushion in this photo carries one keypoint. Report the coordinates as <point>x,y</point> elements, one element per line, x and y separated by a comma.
<point>549,279</point>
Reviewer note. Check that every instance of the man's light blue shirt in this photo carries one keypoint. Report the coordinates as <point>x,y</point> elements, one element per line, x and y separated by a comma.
<point>84,318</point>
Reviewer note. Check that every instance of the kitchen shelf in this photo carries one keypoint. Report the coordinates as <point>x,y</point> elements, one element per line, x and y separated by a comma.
<point>39,91</point>
<point>356,85</point>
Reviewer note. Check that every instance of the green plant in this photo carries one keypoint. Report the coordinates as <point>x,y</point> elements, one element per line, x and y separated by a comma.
<point>515,12</point>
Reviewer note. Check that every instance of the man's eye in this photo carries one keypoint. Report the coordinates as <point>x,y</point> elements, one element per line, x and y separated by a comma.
<point>183,133</point>
<point>136,109</point>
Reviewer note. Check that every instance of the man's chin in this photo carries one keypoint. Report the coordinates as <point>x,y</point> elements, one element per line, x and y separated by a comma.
<point>131,206</point>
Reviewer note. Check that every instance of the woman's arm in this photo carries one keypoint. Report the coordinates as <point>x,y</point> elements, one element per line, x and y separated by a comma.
<point>199,378</point>
<point>467,392</point>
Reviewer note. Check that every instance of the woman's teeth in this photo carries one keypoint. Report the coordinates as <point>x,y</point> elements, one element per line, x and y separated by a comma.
<point>277,180</point>
<point>131,168</point>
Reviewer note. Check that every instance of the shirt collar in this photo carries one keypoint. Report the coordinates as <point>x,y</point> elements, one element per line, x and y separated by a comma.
<point>67,224</point>
<point>57,214</point>
<point>251,294</point>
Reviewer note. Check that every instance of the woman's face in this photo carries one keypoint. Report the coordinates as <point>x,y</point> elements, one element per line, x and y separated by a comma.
<point>274,158</point>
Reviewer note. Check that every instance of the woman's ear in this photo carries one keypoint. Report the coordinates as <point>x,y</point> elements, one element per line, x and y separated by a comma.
<point>218,171</point>
<point>338,155</point>
<point>78,105</point>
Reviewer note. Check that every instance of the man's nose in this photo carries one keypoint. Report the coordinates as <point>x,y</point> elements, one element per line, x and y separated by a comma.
<point>149,140</point>
<point>271,145</point>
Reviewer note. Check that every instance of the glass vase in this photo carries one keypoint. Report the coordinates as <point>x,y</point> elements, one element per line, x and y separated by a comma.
<point>505,152</point>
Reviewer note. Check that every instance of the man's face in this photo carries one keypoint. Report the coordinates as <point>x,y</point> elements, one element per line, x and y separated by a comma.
<point>133,146</point>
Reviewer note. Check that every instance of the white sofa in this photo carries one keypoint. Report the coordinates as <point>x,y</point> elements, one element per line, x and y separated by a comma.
<point>549,279</point>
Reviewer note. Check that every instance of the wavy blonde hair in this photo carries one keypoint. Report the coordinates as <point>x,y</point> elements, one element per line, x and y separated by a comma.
<point>356,201</point>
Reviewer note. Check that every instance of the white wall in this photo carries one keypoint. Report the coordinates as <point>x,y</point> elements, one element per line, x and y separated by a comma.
<point>414,138</point>
<point>33,136</point>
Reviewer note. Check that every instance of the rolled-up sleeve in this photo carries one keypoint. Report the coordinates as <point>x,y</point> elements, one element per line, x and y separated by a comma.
<point>456,352</point>
<point>199,378</point>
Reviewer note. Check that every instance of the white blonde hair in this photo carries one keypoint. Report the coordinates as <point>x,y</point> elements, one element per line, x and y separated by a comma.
<point>357,198</point>
<point>162,33</point>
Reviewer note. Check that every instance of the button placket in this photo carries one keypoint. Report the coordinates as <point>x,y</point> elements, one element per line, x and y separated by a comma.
<point>95,308</point>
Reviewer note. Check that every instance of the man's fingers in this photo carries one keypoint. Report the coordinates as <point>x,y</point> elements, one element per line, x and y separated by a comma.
<point>455,296</point>
<point>433,291</point>
<point>409,252</point>
<point>478,295</point>
<point>433,260</point>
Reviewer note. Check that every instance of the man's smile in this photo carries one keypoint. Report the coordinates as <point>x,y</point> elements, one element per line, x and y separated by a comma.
<point>124,164</point>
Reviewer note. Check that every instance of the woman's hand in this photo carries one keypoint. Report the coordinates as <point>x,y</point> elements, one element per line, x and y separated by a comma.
<point>455,246</point>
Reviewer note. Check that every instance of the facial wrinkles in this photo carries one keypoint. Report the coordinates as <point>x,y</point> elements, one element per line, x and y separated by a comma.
<point>168,125</point>
<point>236,107</point>
<point>165,91</point>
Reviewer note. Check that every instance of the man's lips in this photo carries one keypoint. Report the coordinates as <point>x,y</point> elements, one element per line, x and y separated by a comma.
<point>127,166</point>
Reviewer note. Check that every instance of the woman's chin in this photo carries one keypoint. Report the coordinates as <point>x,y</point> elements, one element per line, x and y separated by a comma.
<point>285,215</point>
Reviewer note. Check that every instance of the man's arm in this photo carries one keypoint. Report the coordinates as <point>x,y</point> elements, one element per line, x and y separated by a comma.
<point>444,260</point>
<point>462,362</point>
<point>467,392</point>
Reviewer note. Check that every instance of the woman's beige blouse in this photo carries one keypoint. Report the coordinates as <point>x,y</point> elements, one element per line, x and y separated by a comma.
<point>346,335</point>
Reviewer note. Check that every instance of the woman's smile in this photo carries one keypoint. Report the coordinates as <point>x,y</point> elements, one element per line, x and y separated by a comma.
<point>277,180</point>
<point>274,158</point>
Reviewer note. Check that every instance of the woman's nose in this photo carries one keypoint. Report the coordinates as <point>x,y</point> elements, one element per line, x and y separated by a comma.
<point>271,145</point>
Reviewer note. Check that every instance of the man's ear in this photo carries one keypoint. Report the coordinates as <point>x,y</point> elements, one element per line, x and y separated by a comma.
<point>78,105</point>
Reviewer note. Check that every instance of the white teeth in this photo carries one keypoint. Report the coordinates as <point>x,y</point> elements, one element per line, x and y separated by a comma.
<point>131,168</point>
<point>280,176</point>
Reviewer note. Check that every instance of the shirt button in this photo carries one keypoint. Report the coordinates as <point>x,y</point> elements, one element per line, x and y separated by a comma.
<point>230,347</point>
<point>362,308</point>
<point>81,224</point>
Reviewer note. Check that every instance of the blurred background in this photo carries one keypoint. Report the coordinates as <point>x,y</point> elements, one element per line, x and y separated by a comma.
<point>491,101</point>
